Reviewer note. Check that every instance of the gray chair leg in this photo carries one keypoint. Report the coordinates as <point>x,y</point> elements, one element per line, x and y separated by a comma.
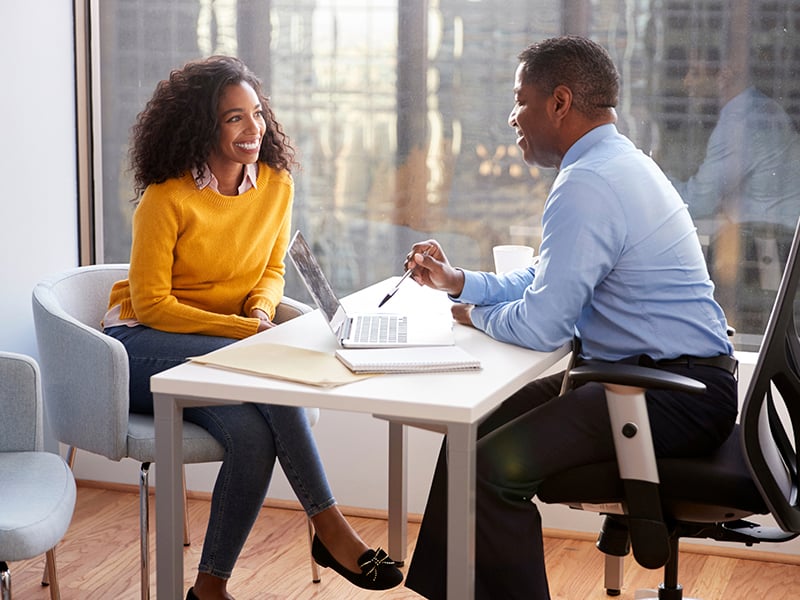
<point>50,564</point>
<point>187,537</point>
<point>144,529</point>
<point>144,524</point>
<point>71,452</point>
<point>315,578</point>
<point>70,460</point>
<point>5,582</point>
<point>46,573</point>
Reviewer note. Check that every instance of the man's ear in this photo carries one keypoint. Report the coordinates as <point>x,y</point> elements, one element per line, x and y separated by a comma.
<point>726,78</point>
<point>561,101</point>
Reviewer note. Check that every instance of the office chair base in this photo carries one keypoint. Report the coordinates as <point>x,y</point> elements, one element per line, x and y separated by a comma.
<point>661,594</point>
<point>614,539</point>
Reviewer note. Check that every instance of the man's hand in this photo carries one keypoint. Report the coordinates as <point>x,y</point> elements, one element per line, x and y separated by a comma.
<point>432,268</point>
<point>462,313</point>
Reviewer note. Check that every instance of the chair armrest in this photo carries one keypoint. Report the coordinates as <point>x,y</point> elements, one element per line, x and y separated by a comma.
<point>625,394</point>
<point>21,420</point>
<point>289,308</point>
<point>634,376</point>
<point>84,379</point>
<point>625,387</point>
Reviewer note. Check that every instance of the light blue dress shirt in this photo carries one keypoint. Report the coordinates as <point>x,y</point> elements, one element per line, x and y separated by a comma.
<point>620,265</point>
<point>750,171</point>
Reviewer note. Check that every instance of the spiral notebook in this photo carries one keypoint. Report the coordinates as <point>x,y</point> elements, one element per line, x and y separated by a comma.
<point>408,360</point>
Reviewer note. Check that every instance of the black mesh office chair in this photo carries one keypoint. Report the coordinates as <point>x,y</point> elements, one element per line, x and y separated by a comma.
<point>650,504</point>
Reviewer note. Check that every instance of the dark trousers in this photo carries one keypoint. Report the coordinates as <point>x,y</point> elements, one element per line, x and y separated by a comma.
<point>532,435</point>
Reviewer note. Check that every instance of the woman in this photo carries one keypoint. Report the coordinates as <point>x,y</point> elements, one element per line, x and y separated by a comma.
<point>212,167</point>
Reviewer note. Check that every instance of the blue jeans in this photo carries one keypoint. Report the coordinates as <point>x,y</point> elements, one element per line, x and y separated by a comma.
<point>253,436</point>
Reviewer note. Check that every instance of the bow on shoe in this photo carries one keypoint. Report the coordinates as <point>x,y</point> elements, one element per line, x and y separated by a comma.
<point>370,566</point>
<point>378,571</point>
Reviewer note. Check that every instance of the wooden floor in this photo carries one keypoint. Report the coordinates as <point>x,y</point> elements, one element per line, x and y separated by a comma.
<point>99,560</point>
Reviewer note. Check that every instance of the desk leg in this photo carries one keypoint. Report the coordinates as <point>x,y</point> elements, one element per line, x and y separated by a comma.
<point>169,505</point>
<point>461,439</point>
<point>398,492</point>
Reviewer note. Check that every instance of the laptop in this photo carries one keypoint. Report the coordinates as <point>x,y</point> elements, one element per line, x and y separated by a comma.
<point>371,330</point>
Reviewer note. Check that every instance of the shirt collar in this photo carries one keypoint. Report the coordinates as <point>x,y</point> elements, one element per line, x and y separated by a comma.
<point>588,140</point>
<point>209,179</point>
<point>741,100</point>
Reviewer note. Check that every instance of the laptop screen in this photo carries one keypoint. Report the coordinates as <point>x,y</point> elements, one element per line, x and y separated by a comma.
<point>307,266</point>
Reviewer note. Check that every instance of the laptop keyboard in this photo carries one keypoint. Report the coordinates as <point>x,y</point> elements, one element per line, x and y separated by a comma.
<point>380,329</point>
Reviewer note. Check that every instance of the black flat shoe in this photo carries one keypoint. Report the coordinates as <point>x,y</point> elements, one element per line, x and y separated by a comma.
<point>190,595</point>
<point>378,571</point>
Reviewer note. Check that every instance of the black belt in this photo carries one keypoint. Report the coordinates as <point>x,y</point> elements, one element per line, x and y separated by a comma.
<point>723,361</point>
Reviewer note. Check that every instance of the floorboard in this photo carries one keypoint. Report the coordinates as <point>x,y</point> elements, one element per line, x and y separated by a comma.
<point>99,560</point>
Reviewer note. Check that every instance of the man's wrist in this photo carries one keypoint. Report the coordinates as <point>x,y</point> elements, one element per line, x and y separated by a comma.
<point>458,287</point>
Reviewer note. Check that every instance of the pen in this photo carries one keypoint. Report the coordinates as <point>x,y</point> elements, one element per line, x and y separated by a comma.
<point>397,285</point>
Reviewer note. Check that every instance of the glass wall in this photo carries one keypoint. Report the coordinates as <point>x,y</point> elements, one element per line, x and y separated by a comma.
<point>398,111</point>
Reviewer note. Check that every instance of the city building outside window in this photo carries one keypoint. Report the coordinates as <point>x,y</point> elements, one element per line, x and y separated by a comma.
<point>398,111</point>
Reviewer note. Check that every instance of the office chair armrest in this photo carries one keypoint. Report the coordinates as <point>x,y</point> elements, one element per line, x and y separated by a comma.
<point>625,394</point>
<point>625,387</point>
<point>289,308</point>
<point>634,376</point>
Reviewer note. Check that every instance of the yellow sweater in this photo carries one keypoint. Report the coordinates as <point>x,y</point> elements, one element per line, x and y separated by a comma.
<point>200,261</point>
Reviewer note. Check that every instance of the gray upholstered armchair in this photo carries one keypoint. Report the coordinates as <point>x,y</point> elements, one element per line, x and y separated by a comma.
<point>37,490</point>
<point>85,375</point>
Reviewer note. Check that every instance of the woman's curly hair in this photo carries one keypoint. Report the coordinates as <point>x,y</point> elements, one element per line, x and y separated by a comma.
<point>178,128</point>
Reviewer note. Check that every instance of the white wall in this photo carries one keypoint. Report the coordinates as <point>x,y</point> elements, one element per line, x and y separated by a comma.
<point>38,209</point>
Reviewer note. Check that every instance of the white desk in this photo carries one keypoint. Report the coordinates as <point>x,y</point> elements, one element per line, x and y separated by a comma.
<point>454,402</point>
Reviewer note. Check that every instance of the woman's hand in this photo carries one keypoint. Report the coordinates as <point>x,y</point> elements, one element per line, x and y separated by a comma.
<point>263,318</point>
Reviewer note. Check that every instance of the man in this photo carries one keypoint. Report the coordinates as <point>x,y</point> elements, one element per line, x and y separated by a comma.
<point>749,173</point>
<point>747,189</point>
<point>621,268</point>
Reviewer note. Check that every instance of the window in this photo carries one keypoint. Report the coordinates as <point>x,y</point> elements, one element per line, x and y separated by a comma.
<point>398,111</point>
